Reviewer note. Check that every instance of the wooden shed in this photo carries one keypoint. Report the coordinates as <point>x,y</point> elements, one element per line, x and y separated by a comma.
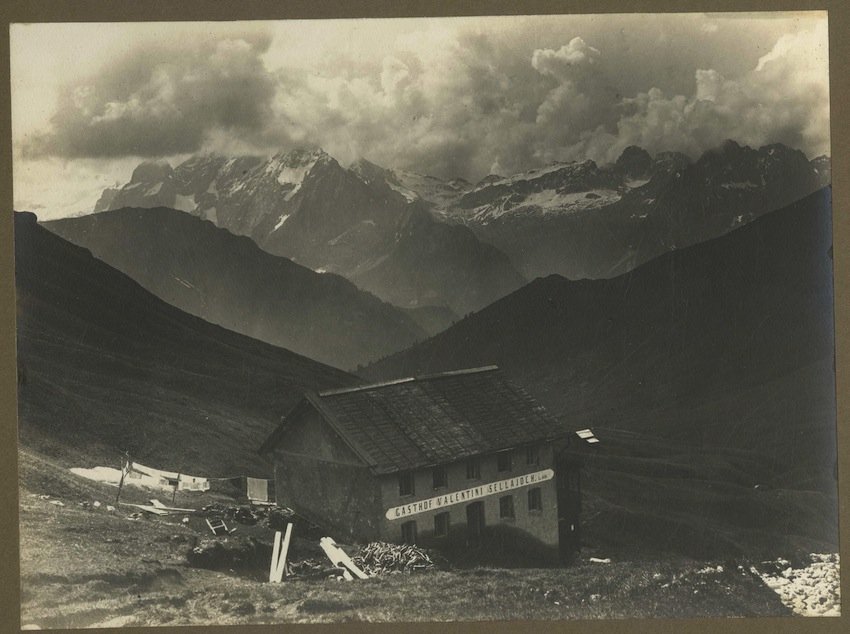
<point>434,460</point>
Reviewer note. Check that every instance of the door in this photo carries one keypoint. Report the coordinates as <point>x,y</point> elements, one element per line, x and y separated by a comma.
<point>568,483</point>
<point>475,521</point>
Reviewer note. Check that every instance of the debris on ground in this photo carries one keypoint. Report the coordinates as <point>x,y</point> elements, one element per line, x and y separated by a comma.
<point>341,559</point>
<point>218,527</point>
<point>229,553</point>
<point>812,590</point>
<point>380,558</point>
<point>597,560</point>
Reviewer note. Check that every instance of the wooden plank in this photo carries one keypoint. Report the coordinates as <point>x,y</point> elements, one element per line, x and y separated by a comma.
<point>148,509</point>
<point>284,549</point>
<point>275,556</point>
<point>339,558</point>
<point>174,509</point>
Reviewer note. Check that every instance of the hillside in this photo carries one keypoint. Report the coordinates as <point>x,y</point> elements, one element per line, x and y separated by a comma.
<point>708,369</point>
<point>228,280</point>
<point>106,366</point>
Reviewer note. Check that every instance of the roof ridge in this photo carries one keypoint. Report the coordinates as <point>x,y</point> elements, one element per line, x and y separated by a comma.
<point>409,379</point>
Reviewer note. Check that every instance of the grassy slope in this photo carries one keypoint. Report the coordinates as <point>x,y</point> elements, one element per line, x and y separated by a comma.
<point>105,366</point>
<point>84,567</point>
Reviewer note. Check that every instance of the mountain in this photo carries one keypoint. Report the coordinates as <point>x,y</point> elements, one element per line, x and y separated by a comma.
<point>428,263</point>
<point>305,206</point>
<point>105,366</point>
<point>707,369</point>
<point>228,280</point>
<point>583,220</point>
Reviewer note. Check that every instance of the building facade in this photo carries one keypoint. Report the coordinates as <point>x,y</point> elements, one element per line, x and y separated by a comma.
<point>446,461</point>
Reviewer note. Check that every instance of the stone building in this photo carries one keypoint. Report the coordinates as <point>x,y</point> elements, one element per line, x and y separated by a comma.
<point>438,460</point>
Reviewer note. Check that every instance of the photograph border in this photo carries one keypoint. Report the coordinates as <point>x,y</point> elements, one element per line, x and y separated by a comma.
<point>164,10</point>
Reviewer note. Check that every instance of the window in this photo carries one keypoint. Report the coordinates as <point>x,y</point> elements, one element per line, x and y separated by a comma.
<point>441,524</point>
<point>535,499</point>
<point>506,507</point>
<point>405,483</point>
<point>441,477</point>
<point>473,469</point>
<point>408,532</point>
<point>503,461</point>
<point>532,455</point>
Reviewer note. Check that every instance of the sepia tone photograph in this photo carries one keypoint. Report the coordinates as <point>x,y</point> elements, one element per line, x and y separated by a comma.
<point>498,318</point>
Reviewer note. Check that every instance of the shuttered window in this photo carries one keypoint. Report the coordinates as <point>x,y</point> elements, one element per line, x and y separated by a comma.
<point>506,507</point>
<point>535,499</point>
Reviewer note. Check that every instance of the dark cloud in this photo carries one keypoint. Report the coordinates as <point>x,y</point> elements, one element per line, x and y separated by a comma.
<point>162,99</point>
<point>493,96</point>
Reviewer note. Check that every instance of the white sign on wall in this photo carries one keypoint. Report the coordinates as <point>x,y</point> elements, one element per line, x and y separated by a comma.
<point>467,495</point>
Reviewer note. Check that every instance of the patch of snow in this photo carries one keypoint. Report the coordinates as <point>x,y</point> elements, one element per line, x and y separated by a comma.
<point>153,190</point>
<point>293,175</point>
<point>237,186</point>
<point>292,192</point>
<point>530,174</point>
<point>212,189</point>
<point>210,214</point>
<point>321,269</point>
<point>280,222</point>
<point>184,203</point>
<point>549,202</point>
<point>183,282</point>
<point>631,183</point>
<point>407,193</point>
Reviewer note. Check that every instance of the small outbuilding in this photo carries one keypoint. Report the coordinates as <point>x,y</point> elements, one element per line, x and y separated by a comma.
<point>433,460</point>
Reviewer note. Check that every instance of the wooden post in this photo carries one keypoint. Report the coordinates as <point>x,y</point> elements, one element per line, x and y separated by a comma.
<point>174,493</point>
<point>281,548</point>
<point>275,556</point>
<point>125,469</point>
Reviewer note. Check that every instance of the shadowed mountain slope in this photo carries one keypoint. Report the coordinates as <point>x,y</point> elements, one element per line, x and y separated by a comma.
<point>106,366</point>
<point>229,280</point>
<point>707,368</point>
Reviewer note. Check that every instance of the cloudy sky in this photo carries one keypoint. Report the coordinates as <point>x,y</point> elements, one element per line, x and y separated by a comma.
<point>445,96</point>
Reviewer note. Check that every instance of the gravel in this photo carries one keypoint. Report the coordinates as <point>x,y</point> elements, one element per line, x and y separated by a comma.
<point>813,590</point>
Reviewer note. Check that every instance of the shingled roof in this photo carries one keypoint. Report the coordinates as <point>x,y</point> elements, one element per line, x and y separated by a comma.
<point>427,420</point>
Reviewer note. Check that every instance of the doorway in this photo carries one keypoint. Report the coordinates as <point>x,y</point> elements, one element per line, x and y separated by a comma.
<point>475,522</point>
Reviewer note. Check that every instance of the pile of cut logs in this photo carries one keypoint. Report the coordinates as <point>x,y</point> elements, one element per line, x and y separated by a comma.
<point>379,558</point>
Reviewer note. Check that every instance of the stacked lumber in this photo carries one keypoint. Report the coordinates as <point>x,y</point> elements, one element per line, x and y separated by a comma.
<point>380,558</point>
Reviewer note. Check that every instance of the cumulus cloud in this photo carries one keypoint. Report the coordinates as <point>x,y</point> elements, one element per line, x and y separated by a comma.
<point>454,97</point>
<point>783,99</point>
<point>162,99</point>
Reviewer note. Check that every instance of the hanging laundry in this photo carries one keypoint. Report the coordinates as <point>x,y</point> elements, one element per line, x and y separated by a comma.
<point>258,490</point>
<point>193,483</point>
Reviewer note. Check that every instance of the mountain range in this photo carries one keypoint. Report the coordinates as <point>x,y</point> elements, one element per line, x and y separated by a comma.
<point>305,206</point>
<point>583,220</point>
<point>105,366</point>
<point>228,280</point>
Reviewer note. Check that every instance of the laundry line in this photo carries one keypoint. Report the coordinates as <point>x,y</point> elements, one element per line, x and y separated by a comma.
<point>151,477</point>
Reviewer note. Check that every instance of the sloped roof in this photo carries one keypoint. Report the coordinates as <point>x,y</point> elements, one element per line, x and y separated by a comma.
<point>432,419</point>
